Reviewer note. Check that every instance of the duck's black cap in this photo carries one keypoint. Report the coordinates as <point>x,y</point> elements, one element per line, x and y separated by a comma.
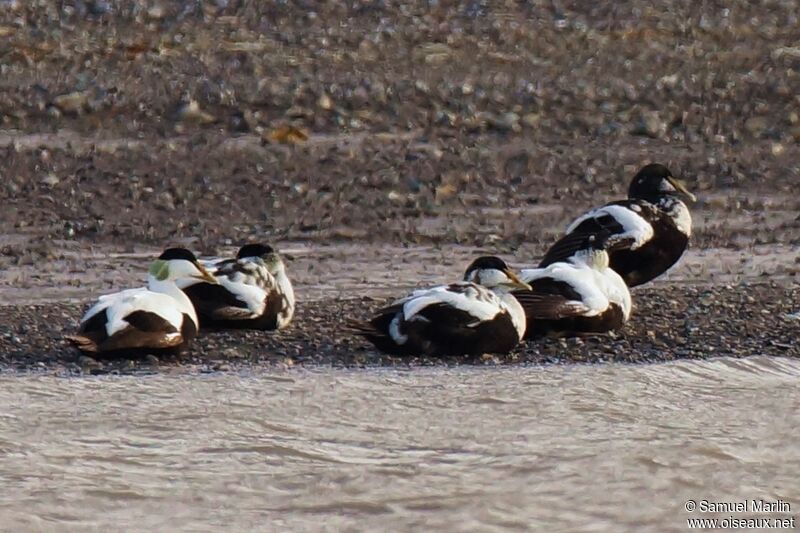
<point>254,250</point>
<point>647,182</point>
<point>485,262</point>
<point>177,253</point>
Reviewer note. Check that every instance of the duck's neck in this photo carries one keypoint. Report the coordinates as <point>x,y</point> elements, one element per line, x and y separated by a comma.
<point>515,309</point>
<point>169,288</point>
<point>678,212</point>
<point>285,287</point>
<point>594,259</point>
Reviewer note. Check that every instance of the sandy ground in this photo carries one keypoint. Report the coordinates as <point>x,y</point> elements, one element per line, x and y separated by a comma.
<point>715,303</point>
<point>433,134</point>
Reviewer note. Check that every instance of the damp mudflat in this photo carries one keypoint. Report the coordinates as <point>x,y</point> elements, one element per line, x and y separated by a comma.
<point>562,448</point>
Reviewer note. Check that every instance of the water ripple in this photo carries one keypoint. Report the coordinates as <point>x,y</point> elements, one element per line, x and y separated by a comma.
<point>422,449</point>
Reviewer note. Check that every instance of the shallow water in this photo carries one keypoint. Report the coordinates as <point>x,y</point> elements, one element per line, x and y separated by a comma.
<point>600,448</point>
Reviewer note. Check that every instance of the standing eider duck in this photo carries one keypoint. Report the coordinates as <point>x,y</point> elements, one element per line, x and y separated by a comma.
<point>578,296</point>
<point>475,316</point>
<point>253,291</point>
<point>649,231</point>
<point>158,318</point>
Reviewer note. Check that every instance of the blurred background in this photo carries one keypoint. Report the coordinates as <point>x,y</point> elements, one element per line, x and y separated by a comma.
<point>471,122</point>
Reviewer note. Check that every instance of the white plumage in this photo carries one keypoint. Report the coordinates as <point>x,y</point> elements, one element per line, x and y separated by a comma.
<point>597,288</point>
<point>120,305</point>
<point>477,315</point>
<point>645,234</point>
<point>254,290</point>
<point>478,301</point>
<point>158,317</point>
<point>680,215</point>
<point>576,296</point>
<point>635,229</point>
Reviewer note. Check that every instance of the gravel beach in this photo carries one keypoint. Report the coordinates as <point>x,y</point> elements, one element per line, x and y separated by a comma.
<point>384,145</point>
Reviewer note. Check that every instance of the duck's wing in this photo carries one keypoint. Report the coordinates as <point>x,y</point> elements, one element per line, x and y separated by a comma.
<point>146,310</point>
<point>621,225</point>
<point>560,291</point>
<point>242,293</point>
<point>108,300</point>
<point>459,305</point>
<point>130,319</point>
<point>463,302</point>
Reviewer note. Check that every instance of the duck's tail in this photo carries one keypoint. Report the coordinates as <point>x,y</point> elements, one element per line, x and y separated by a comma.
<point>84,344</point>
<point>361,327</point>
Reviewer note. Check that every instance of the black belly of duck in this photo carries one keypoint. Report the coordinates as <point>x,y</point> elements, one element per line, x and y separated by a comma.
<point>576,326</point>
<point>652,259</point>
<point>445,333</point>
<point>544,319</point>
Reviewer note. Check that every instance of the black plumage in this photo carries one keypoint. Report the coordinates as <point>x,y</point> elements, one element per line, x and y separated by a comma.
<point>475,316</point>
<point>649,231</point>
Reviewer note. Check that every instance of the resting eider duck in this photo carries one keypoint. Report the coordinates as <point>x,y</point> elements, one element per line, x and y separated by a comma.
<point>476,316</point>
<point>649,231</point>
<point>158,318</point>
<point>579,296</point>
<point>253,291</point>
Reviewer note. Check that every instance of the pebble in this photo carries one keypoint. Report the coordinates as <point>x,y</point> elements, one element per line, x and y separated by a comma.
<point>650,125</point>
<point>84,361</point>
<point>190,111</point>
<point>51,180</point>
<point>73,103</point>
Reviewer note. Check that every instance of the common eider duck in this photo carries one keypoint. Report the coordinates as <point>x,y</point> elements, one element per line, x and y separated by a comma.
<point>475,316</point>
<point>253,292</point>
<point>158,318</point>
<point>649,231</point>
<point>578,296</point>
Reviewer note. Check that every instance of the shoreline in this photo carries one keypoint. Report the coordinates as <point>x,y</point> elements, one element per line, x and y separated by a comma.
<point>669,322</point>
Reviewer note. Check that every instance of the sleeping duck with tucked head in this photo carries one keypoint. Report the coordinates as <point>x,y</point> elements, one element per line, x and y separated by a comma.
<point>475,316</point>
<point>158,318</point>
<point>252,291</point>
<point>579,296</point>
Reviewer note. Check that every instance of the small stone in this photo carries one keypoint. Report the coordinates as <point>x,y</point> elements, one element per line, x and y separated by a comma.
<point>51,180</point>
<point>73,103</point>
<point>53,112</point>
<point>504,122</point>
<point>156,12</point>
<point>88,362</point>
<point>325,102</point>
<point>445,192</point>
<point>756,126</point>
<point>190,112</point>
<point>532,120</point>
<point>649,125</point>
<point>98,7</point>
<point>667,82</point>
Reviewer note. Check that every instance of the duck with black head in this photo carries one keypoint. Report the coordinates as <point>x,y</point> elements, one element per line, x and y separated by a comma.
<point>253,291</point>
<point>648,232</point>
<point>158,318</point>
<point>475,316</point>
